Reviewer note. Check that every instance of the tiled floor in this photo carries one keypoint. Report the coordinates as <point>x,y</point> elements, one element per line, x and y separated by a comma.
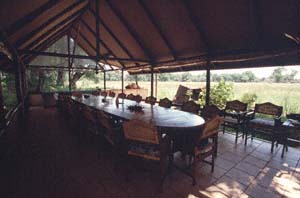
<point>49,161</point>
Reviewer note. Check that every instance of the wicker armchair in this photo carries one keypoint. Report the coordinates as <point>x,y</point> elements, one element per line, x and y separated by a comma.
<point>234,117</point>
<point>165,102</point>
<point>145,141</point>
<point>150,100</point>
<point>109,129</point>
<point>205,145</point>
<point>191,107</point>
<point>263,121</point>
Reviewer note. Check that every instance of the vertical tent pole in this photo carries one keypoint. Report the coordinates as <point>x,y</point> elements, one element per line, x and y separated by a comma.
<point>69,64</point>
<point>152,80</point>
<point>156,85</point>
<point>104,80</point>
<point>122,79</point>
<point>207,84</point>
<point>1,95</point>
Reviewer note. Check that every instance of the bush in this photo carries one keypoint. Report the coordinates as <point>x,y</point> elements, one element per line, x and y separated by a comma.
<point>250,99</point>
<point>219,94</point>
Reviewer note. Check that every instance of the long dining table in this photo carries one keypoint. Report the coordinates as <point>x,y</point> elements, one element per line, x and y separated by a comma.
<point>157,115</point>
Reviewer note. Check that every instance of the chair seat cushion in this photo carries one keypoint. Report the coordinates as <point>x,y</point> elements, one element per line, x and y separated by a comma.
<point>142,149</point>
<point>259,122</point>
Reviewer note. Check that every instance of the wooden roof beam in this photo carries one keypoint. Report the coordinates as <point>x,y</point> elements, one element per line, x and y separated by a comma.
<point>113,35</point>
<point>131,31</point>
<point>69,20</point>
<point>22,40</point>
<point>158,29</point>
<point>30,17</point>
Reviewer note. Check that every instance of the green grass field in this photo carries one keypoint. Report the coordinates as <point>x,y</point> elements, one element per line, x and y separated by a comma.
<point>284,94</point>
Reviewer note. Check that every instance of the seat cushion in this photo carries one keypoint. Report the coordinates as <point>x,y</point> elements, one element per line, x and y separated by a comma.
<point>259,122</point>
<point>142,149</point>
<point>229,119</point>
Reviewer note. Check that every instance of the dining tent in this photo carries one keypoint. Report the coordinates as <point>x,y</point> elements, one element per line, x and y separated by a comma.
<point>143,36</point>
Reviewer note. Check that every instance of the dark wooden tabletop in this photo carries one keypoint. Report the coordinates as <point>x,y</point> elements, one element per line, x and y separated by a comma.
<point>159,116</point>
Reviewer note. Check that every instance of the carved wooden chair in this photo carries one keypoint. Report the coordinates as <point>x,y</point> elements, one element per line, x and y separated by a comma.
<point>165,102</point>
<point>112,94</point>
<point>263,120</point>
<point>130,97</point>
<point>205,145</point>
<point>122,95</point>
<point>103,93</point>
<point>150,100</point>
<point>234,117</point>
<point>144,141</point>
<point>191,107</point>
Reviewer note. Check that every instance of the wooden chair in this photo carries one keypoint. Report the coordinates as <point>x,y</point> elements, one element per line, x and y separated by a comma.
<point>191,107</point>
<point>103,93</point>
<point>122,95</point>
<point>150,100</point>
<point>165,102</point>
<point>205,145</point>
<point>112,94</point>
<point>210,111</point>
<point>138,98</point>
<point>89,121</point>
<point>111,132</point>
<point>144,141</point>
<point>130,97</point>
<point>95,93</point>
<point>263,120</point>
<point>234,117</point>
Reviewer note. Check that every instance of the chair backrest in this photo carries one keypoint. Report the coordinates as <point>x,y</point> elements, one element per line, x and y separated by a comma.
<point>130,97</point>
<point>268,109</point>
<point>122,95</point>
<point>77,94</point>
<point>181,95</point>
<point>196,94</point>
<point>210,128</point>
<point>236,105</point>
<point>88,114</point>
<point>104,121</point>
<point>150,100</point>
<point>210,111</point>
<point>103,93</point>
<point>95,93</point>
<point>137,130</point>
<point>191,107</point>
<point>165,102</point>
<point>138,98</point>
<point>112,94</point>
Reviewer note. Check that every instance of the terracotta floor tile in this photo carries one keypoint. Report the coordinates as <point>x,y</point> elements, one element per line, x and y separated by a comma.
<point>248,168</point>
<point>223,163</point>
<point>260,192</point>
<point>240,176</point>
<point>231,157</point>
<point>230,187</point>
<point>255,161</point>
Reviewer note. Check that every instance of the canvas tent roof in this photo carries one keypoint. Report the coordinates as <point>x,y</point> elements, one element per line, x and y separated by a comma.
<point>169,35</point>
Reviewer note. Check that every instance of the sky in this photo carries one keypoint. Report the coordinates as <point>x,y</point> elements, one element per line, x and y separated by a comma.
<point>259,72</point>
